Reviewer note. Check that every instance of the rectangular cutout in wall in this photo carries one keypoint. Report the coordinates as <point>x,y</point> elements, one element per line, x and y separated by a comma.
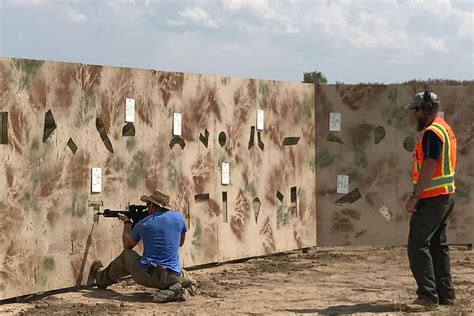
<point>4,128</point>
<point>224,206</point>
<point>202,197</point>
<point>294,201</point>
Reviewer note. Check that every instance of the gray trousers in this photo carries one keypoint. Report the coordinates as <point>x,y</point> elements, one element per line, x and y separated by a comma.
<point>127,263</point>
<point>428,251</point>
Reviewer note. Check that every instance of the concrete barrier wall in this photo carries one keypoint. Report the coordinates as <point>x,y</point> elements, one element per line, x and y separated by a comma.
<point>60,120</point>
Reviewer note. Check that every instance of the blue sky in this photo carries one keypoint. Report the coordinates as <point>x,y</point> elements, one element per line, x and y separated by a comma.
<point>348,41</point>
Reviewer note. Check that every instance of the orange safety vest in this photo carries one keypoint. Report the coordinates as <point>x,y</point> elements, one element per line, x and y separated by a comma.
<point>443,177</point>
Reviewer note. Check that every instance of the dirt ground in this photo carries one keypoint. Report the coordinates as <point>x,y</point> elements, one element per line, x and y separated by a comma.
<point>337,280</point>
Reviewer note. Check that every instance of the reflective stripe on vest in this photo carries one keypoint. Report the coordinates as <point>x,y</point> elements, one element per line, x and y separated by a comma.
<point>446,153</point>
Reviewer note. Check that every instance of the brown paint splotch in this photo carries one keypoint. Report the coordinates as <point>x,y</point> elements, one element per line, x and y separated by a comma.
<point>52,217</point>
<point>88,76</point>
<point>145,111</point>
<point>298,236</point>
<point>165,95</point>
<point>275,183</point>
<point>268,240</point>
<point>9,175</point>
<point>172,81</point>
<point>241,217</point>
<point>302,204</point>
<point>200,172</point>
<point>9,225</point>
<point>275,134</point>
<point>358,96</point>
<point>214,207</point>
<point>52,176</point>
<point>201,108</point>
<point>20,127</point>
<point>38,93</point>
<point>63,90</point>
<point>77,170</point>
<point>184,195</point>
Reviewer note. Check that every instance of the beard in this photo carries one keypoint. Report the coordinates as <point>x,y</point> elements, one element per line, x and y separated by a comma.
<point>421,123</point>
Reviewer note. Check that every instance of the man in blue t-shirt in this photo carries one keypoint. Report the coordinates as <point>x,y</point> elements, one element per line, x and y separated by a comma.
<point>163,231</point>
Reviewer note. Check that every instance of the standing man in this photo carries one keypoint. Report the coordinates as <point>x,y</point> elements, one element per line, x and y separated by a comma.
<point>430,204</point>
<point>163,231</point>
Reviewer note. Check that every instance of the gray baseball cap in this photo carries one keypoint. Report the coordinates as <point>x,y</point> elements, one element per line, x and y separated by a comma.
<point>420,99</point>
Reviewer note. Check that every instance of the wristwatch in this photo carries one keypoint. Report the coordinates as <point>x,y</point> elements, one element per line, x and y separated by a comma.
<point>128,222</point>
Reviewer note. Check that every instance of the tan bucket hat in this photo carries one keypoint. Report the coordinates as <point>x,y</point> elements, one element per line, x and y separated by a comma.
<point>158,197</point>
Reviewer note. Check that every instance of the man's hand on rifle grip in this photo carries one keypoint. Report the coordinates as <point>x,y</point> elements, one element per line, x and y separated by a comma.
<point>123,217</point>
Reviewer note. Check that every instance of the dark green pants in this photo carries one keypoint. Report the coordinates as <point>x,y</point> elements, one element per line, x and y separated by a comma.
<point>428,251</point>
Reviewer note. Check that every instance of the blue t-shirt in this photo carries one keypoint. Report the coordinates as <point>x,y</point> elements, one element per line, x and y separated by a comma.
<point>161,234</point>
<point>432,145</point>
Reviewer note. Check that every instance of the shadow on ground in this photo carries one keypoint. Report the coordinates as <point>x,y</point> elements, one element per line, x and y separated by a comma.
<point>109,294</point>
<point>350,309</point>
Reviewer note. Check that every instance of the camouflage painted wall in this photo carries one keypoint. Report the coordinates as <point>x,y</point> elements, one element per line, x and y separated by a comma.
<point>58,120</point>
<point>374,148</point>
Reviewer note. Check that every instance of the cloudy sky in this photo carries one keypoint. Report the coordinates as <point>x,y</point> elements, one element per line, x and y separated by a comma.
<point>347,40</point>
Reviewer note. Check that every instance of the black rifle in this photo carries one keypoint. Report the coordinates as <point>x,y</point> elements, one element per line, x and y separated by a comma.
<point>135,212</point>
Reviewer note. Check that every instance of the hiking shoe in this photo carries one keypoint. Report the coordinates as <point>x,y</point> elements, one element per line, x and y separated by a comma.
<point>170,294</point>
<point>447,301</point>
<point>421,305</point>
<point>96,268</point>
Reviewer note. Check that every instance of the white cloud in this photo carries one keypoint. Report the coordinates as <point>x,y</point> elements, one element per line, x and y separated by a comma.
<point>398,34</point>
<point>198,16</point>
<point>270,13</point>
<point>76,16</point>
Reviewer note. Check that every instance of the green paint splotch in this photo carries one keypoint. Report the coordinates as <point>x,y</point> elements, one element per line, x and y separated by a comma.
<point>30,202</point>
<point>85,110</point>
<point>323,159</point>
<point>36,154</point>
<point>361,135</point>
<point>225,80</point>
<point>118,164</point>
<point>312,164</point>
<point>250,189</point>
<point>264,92</point>
<point>305,110</point>
<point>28,69</point>
<point>48,264</point>
<point>393,114</point>
<point>131,144</point>
<point>136,171</point>
<point>174,175</point>
<point>409,144</point>
<point>252,89</point>
<point>283,215</point>
<point>79,206</point>
<point>197,235</point>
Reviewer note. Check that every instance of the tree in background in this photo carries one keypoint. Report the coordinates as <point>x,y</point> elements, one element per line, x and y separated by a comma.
<point>314,77</point>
